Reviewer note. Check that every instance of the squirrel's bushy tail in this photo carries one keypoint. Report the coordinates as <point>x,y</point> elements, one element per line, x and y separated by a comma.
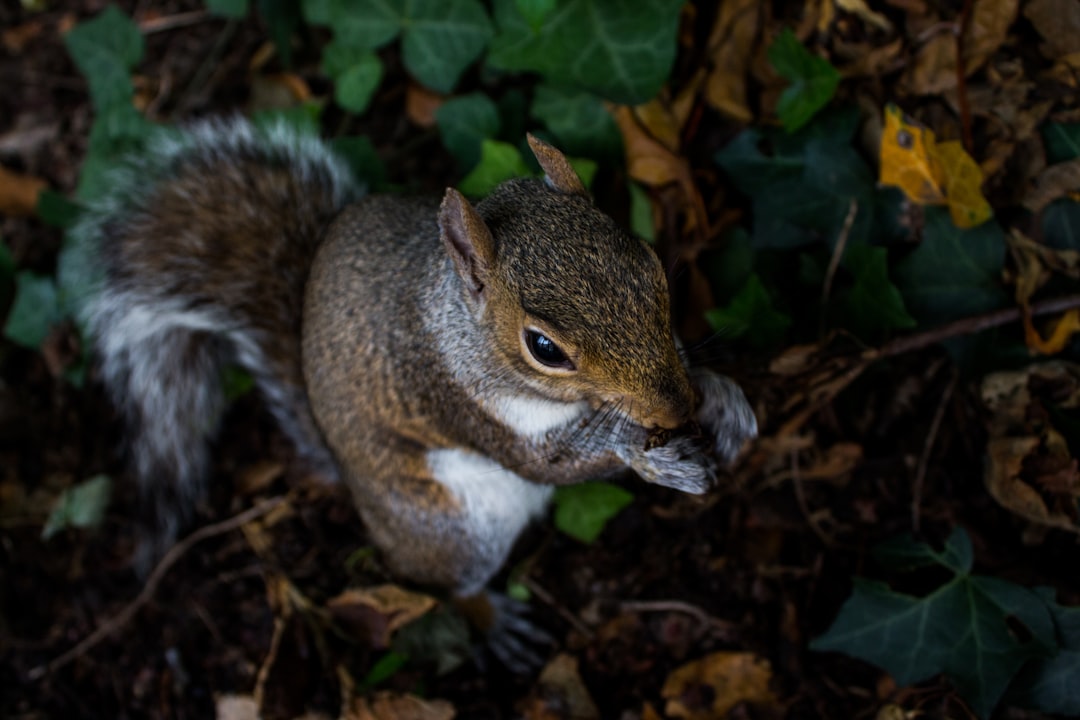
<point>201,249</point>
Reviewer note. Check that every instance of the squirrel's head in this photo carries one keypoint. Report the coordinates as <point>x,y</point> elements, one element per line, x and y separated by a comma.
<point>577,308</point>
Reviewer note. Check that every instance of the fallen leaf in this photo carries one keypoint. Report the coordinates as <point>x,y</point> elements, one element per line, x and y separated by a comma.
<point>374,614</point>
<point>1056,181</point>
<point>1064,328</point>
<point>1058,22</point>
<point>731,43</point>
<point>560,693</point>
<point>15,39</point>
<point>963,180</point>
<point>932,173</point>
<point>236,707</point>
<point>1021,452</point>
<point>392,706</point>
<point>257,477</point>
<point>19,193</point>
<point>987,30</point>
<point>421,105</point>
<point>860,9</point>
<point>710,687</point>
<point>933,71</point>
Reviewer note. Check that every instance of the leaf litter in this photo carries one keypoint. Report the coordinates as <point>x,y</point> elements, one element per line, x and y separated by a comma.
<point>757,568</point>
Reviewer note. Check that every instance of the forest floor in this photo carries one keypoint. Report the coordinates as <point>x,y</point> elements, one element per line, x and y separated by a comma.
<point>738,581</point>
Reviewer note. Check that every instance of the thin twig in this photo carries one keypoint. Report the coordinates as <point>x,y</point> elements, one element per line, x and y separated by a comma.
<point>804,505</point>
<point>538,590</point>
<point>838,253</point>
<point>172,22</point>
<point>968,326</point>
<point>177,551</point>
<point>679,606</point>
<point>924,459</point>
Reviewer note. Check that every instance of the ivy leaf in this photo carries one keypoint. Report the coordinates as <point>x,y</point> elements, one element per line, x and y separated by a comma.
<point>105,50</point>
<point>750,313</point>
<point>582,511</point>
<point>622,50</point>
<point>1062,141</point>
<point>813,80</point>
<point>228,8</point>
<point>34,311</point>
<point>873,303</point>
<point>357,73</point>
<point>439,38</point>
<point>535,11</point>
<point>442,37</point>
<point>499,162</point>
<point>464,123</point>
<point>953,273</point>
<point>56,210</point>
<point>960,629</point>
<point>904,553</point>
<point>579,121</point>
<point>1049,684</point>
<point>641,213</point>
<point>362,158</point>
<point>1061,224</point>
<point>80,506</point>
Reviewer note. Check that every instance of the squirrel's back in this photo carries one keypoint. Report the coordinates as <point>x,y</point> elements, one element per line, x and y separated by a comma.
<point>203,246</point>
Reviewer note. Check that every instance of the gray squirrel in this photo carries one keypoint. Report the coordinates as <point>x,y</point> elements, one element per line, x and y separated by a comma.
<point>450,363</point>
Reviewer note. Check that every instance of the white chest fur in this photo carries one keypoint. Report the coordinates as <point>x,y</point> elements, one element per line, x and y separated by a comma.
<point>532,417</point>
<point>498,503</point>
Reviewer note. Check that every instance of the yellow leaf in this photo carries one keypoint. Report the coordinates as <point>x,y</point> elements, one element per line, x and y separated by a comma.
<point>908,160</point>
<point>712,686</point>
<point>1063,330</point>
<point>963,185</point>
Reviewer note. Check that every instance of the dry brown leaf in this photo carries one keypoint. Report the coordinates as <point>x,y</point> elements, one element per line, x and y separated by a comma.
<point>1055,182</point>
<point>710,687</point>
<point>15,39</point>
<point>860,9</point>
<point>560,693</point>
<point>375,614</point>
<point>421,104</point>
<point>987,30</point>
<point>278,90</point>
<point>934,69</point>
<point>19,193</point>
<point>1065,71</point>
<point>257,477</point>
<point>236,707</point>
<point>1018,448</point>
<point>1063,329</point>
<point>737,28</point>
<point>392,706</point>
<point>648,712</point>
<point>1058,21</point>
<point>867,60</point>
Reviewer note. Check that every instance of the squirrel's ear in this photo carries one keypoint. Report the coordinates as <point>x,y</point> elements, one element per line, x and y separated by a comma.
<point>467,240</point>
<point>557,169</point>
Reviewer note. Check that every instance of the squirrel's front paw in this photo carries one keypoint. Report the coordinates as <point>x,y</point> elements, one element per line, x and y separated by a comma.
<point>724,413</point>
<point>679,463</point>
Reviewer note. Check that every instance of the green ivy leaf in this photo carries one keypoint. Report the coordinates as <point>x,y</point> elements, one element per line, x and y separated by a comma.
<point>80,506</point>
<point>751,313</point>
<point>1061,225</point>
<point>464,123</point>
<point>585,168</point>
<point>873,303</point>
<point>355,86</point>
<point>579,121</point>
<point>582,511</point>
<point>813,80</point>
<point>499,162</point>
<point>535,12</point>
<point>282,19</point>
<point>384,668</point>
<point>641,213</point>
<point>1049,684</point>
<point>228,8</point>
<point>34,311</point>
<point>1062,141</point>
<point>105,50</point>
<point>439,38</point>
<point>961,629</point>
<point>904,553</point>
<point>622,50</point>
<point>362,158</point>
<point>442,37</point>
<point>953,273</point>
<point>56,210</point>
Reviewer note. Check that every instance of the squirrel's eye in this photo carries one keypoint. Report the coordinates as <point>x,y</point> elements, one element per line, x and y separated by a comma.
<point>546,351</point>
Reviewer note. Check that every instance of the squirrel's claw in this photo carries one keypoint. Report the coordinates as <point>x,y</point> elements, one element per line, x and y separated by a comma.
<point>680,464</point>
<point>513,639</point>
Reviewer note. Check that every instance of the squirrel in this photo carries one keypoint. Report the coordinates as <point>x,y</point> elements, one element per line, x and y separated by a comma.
<point>450,363</point>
